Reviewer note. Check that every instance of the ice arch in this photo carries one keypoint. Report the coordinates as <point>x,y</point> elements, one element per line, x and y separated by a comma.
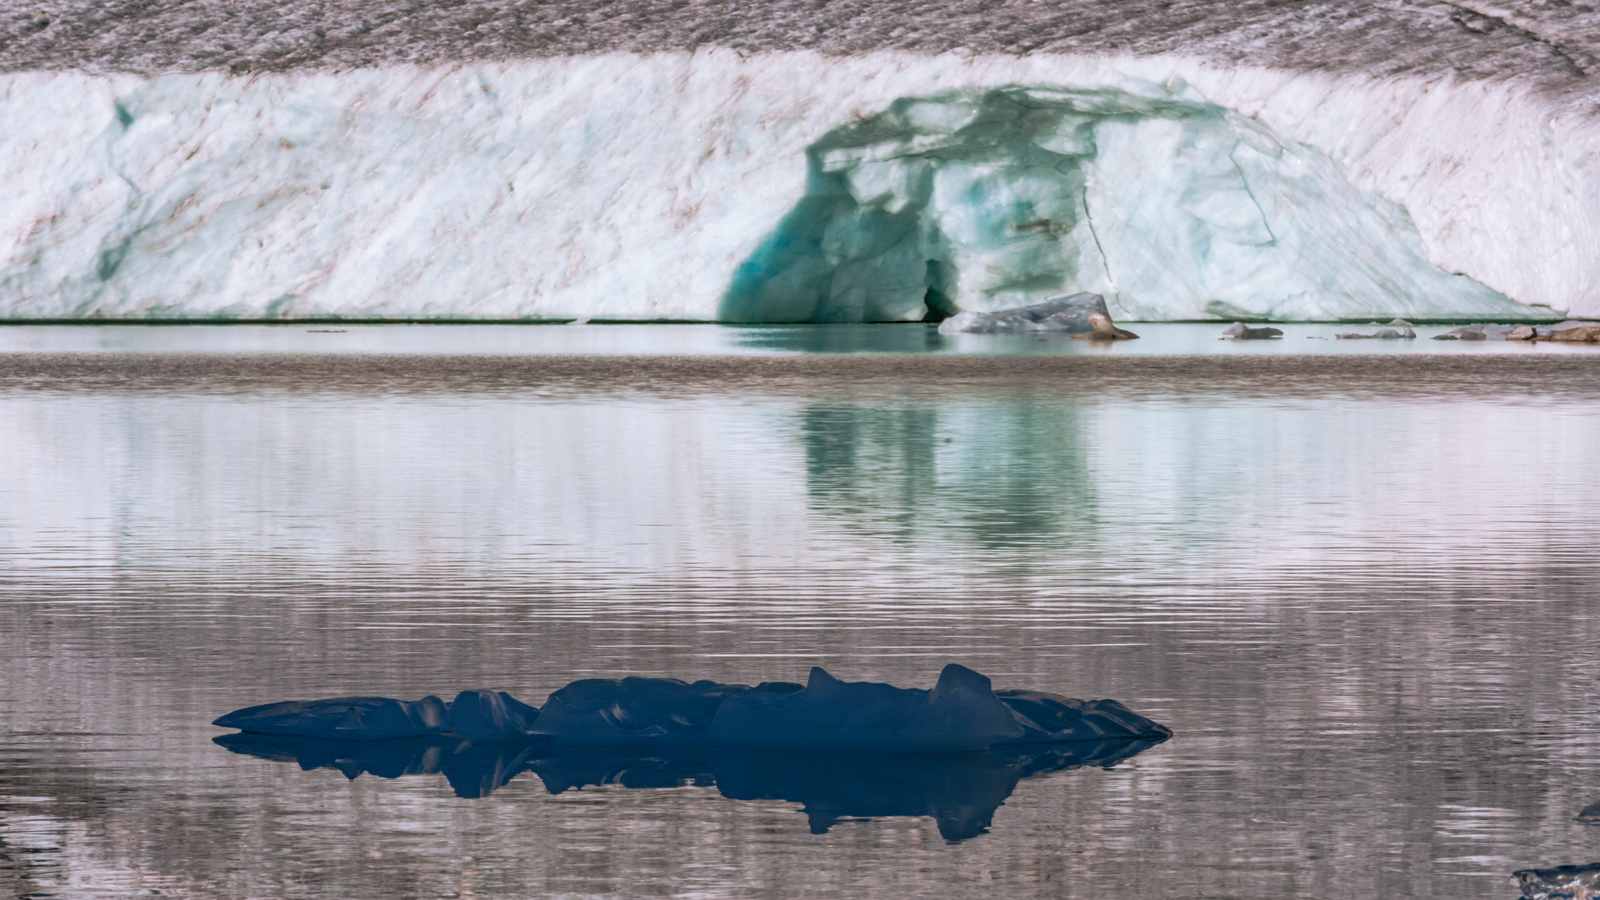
<point>1170,206</point>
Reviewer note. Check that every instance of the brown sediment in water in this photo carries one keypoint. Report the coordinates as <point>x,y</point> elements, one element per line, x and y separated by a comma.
<point>1541,379</point>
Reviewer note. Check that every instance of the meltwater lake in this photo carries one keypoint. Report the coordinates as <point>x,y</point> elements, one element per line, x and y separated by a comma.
<point>1360,580</point>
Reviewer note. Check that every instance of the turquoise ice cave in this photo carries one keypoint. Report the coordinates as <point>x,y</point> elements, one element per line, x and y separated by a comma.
<point>1171,206</point>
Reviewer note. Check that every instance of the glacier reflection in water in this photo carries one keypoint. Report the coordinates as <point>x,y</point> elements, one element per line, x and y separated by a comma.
<point>1360,587</point>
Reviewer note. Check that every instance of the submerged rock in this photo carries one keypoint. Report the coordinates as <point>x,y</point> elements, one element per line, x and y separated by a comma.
<point>962,713</point>
<point>1239,331</point>
<point>1559,883</point>
<point>1075,315</point>
<point>343,718</point>
<point>1590,815</point>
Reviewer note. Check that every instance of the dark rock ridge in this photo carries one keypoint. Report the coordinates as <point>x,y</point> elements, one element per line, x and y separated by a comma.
<point>959,792</point>
<point>961,714</point>
<point>1554,45</point>
<point>1075,315</point>
<point>1239,331</point>
<point>1559,883</point>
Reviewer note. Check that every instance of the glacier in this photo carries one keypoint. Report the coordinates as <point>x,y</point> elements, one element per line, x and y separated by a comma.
<point>790,185</point>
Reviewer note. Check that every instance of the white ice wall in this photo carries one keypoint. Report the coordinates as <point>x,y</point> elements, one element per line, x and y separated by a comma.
<point>631,186</point>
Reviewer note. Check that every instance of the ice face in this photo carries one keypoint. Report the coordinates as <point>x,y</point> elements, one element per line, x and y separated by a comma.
<point>1170,206</point>
<point>652,187</point>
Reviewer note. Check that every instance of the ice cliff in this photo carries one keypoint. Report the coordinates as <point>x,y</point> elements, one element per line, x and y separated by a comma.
<point>786,182</point>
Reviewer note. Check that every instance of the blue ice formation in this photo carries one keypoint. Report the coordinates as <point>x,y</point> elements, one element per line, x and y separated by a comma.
<point>1170,206</point>
<point>961,714</point>
<point>960,792</point>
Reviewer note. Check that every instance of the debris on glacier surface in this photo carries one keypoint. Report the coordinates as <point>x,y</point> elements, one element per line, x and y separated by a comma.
<point>1078,315</point>
<point>961,713</point>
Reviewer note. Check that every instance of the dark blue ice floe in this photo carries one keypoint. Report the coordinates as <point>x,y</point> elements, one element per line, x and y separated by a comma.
<point>840,749</point>
<point>475,715</point>
<point>961,714</point>
<point>960,792</point>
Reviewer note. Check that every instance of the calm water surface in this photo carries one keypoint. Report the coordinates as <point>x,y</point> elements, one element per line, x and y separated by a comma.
<point>1359,581</point>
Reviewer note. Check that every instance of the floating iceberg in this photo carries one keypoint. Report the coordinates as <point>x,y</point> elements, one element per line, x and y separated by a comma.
<point>1078,315</point>
<point>1239,331</point>
<point>961,714</point>
<point>960,792</point>
<point>343,718</point>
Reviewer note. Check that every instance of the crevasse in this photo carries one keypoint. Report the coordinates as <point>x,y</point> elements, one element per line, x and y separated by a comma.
<point>791,187</point>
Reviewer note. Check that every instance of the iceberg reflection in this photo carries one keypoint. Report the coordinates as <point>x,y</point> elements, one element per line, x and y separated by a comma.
<point>960,792</point>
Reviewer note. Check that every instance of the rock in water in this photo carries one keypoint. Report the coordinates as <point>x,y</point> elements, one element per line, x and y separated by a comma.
<point>1560,883</point>
<point>1572,332</point>
<point>1239,331</point>
<point>343,718</point>
<point>1590,815</point>
<point>1075,315</point>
